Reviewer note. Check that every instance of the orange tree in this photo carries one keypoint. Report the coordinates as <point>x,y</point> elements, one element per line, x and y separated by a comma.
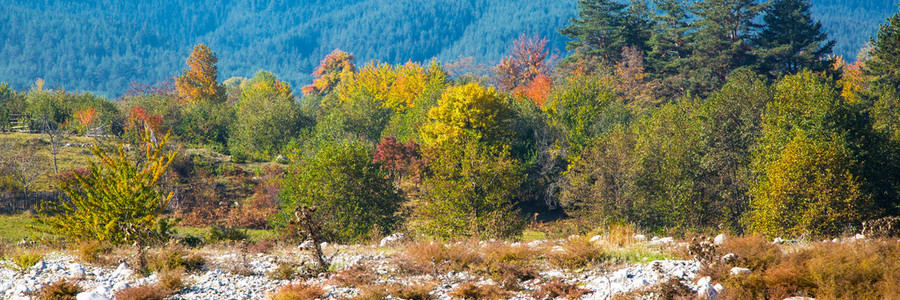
<point>199,82</point>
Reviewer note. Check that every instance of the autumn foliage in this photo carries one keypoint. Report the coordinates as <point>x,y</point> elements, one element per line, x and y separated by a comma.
<point>199,82</point>
<point>336,67</point>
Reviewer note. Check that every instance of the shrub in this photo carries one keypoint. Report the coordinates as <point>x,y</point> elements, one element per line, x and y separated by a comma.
<point>143,292</point>
<point>402,291</point>
<point>559,288</point>
<point>172,279</point>
<point>473,291</point>
<point>284,271</point>
<point>576,253</point>
<point>60,290</point>
<point>174,257</point>
<point>298,291</point>
<point>23,259</point>
<point>432,258</point>
<point>90,251</point>
<point>357,275</point>
<point>218,233</point>
<point>261,247</point>
<point>266,118</point>
<point>351,193</point>
<point>118,202</point>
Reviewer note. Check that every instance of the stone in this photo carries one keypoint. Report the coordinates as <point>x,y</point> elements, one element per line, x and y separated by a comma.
<point>123,270</point>
<point>738,271</point>
<point>91,296</point>
<point>662,241</point>
<point>799,298</point>
<point>76,270</point>
<point>704,280</point>
<point>307,245</point>
<point>719,288</point>
<point>707,291</point>
<point>121,285</point>
<point>778,240</point>
<point>640,237</point>
<point>719,239</point>
<point>860,236</point>
<point>393,239</point>
<point>596,239</point>
<point>730,257</point>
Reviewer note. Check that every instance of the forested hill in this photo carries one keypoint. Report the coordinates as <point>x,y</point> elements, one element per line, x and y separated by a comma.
<point>101,46</point>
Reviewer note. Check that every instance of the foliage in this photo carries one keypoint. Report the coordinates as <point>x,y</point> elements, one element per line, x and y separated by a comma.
<point>60,290</point>
<point>266,118</point>
<point>11,102</point>
<point>352,193</point>
<point>584,107</point>
<point>604,27</point>
<point>791,41</point>
<point>119,202</point>
<point>401,160</point>
<point>199,82</point>
<point>527,61</point>
<point>471,191</point>
<point>335,68</point>
<point>467,110</point>
<point>22,259</point>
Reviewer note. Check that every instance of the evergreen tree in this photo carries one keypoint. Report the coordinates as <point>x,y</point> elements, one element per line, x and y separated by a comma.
<point>604,27</point>
<point>791,40</point>
<point>885,65</point>
<point>668,45</point>
<point>721,38</point>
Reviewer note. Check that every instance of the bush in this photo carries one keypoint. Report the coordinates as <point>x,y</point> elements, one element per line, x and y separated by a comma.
<point>266,118</point>
<point>90,251</point>
<point>558,288</point>
<point>225,233</point>
<point>353,195</point>
<point>60,290</point>
<point>298,291</point>
<point>119,201</point>
<point>473,291</point>
<point>576,253</point>
<point>22,259</point>
<point>143,292</point>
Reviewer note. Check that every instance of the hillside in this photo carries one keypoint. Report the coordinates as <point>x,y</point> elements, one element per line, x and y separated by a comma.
<point>102,46</point>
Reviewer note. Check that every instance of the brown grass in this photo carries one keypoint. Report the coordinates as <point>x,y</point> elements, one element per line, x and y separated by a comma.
<point>577,253</point>
<point>298,291</point>
<point>143,292</point>
<point>430,257</point>
<point>60,290</point>
<point>470,290</point>
<point>172,280</point>
<point>356,276</point>
<point>92,252</point>
<point>411,292</point>
<point>558,288</point>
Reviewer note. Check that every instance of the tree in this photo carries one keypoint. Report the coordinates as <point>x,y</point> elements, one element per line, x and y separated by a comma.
<point>11,102</point>
<point>720,40</point>
<point>820,166</point>
<point>668,46</point>
<point>470,192</point>
<point>604,27</point>
<point>584,107</point>
<point>266,118</point>
<point>336,67</point>
<point>526,61</point>
<point>199,82</point>
<point>354,196</point>
<point>21,165</point>
<point>883,69</point>
<point>118,202</point>
<point>467,110</point>
<point>791,40</point>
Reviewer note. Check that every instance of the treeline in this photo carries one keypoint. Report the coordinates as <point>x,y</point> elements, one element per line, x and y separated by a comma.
<point>102,46</point>
<point>683,120</point>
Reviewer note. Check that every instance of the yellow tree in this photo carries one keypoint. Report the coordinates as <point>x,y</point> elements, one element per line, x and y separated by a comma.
<point>199,82</point>
<point>336,67</point>
<point>470,109</point>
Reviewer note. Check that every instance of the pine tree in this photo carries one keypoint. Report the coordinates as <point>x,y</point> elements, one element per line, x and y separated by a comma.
<point>721,41</point>
<point>199,82</point>
<point>604,27</point>
<point>791,40</point>
<point>885,62</point>
<point>668,46</point>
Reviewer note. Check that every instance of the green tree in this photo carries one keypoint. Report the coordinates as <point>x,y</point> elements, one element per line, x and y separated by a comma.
<point>470,192</point>
<point>604,27</point>
<point>11,102</point>
<point>354,196</point>
<point>720,41</point>
<point>118,202</point>
<point>266,118</point>
<point>791,40</point>
<point>584,107</point>
<point>884,69</point>
<point>668,47</point>
<point>820,166</point>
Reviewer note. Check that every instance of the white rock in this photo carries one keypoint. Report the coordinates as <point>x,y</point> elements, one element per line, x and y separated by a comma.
<point>835,240</point>
<point>307,245</point>
<point>323,244</point>
<point>640,237</point>
<point>121,285</point>
<point>799,298</point>
<point>123,270</point>
<point>662,241</point>
<point>778,240</point>
<point>738,271</point>
<point>76,270</point>
<point>729,257</point>
<point>596,238</point>
<point>707,291</point>
<point>719,288</point>
<point>704,280</point>
<point>91,296</point>
<point>393,239</point>
<point>719,239</point>
<point>860,236</point>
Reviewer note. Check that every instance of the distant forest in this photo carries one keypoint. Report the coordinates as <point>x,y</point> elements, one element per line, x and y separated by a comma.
<point>102,46</point>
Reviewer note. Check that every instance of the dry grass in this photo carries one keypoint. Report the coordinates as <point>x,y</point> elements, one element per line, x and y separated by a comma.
<point>673,288</point>
<point>411,292</point>
<point>854,270</point>
<point>558,288</point>
<point>470,290</point>
<point>431,257</point>
<point>298,291</point>
<point>576,253</point>
<point>22,259</point>
<point>143,292</point>
<point>355,276</point>
<point>172,280</point>
<point>59,290</point>
<point>173,257</point>
<point>93,252</point>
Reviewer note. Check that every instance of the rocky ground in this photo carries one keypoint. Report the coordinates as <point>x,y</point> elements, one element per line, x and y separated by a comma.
<point>218,280</point>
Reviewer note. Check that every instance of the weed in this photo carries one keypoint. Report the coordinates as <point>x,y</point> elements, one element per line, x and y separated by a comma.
<point>298,291</point>
<point>577,253</point>
<point>143,292</point>
<point>59,290</point>
<point>225,233</point>
<point>559,288</point>
<point>173,257</point>
<point>673,288</point>
<point>21,259</point>
<point>433,258</point>
<point>356,275</point>
<point>470,290</point>
<point>261,247</point>
<point>91,251</point>
<point>284,271</point>
<point>172,280</point>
